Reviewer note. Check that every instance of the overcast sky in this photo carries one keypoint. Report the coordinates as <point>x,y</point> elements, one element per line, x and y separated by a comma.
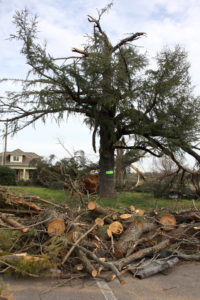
<point>63,25</point>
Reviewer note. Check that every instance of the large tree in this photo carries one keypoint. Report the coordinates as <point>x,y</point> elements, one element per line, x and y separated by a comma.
<point>113,87</point>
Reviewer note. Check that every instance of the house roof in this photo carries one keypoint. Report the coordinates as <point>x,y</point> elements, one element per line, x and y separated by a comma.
<point>27,157</point>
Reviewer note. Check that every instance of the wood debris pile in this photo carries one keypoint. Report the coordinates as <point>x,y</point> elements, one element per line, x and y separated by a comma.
<point>38,238</point>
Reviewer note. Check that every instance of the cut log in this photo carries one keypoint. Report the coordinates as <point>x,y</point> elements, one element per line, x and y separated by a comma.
<point>130,236</point>
<point>56,227</point>
<point>55,223</point>
<point>116,228</point>
<point>88,265</point>
<point>125,216</point>
<point>73,236</point>
<point>140,212</point>
<point>142,253</point>
<point>99,222</point>
<point>150,268</point>
<point>14,223</point>
<point>92,205</point>
<point>168,222</point>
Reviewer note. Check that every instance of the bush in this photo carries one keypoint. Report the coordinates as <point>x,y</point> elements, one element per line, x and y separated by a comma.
<point>56,185</point>
<point>7,176</point>
<point>23,182</point>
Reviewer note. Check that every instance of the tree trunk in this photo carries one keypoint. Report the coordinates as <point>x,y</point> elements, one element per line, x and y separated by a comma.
<point>120,170</point>
<point>106,162</point>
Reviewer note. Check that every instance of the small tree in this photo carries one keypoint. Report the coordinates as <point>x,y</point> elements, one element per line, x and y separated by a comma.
<point>7,176</point>
<point>112,87</point>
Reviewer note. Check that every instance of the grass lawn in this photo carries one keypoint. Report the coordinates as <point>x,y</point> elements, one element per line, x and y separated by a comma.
<point>139,200</point>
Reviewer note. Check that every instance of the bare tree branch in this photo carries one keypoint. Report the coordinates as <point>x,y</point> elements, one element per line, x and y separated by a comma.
<point>133,37</point>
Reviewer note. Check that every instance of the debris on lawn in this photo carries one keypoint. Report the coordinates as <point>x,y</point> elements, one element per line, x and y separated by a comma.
<point>40,238</point>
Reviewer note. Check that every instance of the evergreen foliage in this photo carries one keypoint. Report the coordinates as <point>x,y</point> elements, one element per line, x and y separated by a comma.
<point>53,174</point>
<point>116,90</point>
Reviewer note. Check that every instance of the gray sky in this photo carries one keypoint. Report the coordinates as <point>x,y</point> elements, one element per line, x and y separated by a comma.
<point>63,25</point>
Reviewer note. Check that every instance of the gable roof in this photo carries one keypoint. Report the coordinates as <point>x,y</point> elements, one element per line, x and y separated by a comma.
<point>27,157</point>
<point>20,152</point>
<point>16,152</point>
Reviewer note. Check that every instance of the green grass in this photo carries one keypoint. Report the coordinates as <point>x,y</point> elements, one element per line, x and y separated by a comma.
<point>145,201</point>
<point>57,196</point>
<point>124,199</point>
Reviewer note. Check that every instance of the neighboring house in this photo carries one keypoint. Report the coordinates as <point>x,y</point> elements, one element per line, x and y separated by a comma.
<point>20,162</point>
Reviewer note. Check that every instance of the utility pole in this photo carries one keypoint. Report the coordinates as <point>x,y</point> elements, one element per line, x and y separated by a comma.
<point>5,144</point>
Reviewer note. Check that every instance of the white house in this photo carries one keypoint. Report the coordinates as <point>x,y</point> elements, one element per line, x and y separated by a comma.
<point>20,162</point>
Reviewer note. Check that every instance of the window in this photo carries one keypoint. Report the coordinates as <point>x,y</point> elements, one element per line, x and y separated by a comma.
<point>15,158</point>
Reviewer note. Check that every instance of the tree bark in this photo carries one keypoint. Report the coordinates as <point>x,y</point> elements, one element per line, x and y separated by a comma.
<point>120,169</point>
<point>142,253</point>
<point>14,223</point>
<point>106,162</point>
<point>150,267</point>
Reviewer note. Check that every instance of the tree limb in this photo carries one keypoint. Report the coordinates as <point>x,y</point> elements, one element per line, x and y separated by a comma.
<point>134,36</point>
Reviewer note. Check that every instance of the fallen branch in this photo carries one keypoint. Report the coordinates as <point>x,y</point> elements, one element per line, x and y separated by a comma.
<point>142,253</point>
<point>153,267</point>
<point>108,265</point>
<point>88,265</point>
<point>14,223</point>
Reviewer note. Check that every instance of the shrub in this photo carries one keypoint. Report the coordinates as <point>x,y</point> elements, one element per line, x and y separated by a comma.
<point>56,185</point>
<point>23,182</point>
<point>7,176</point>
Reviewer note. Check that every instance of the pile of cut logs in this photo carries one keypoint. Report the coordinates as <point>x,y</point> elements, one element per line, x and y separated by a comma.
<point>94,240</point>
